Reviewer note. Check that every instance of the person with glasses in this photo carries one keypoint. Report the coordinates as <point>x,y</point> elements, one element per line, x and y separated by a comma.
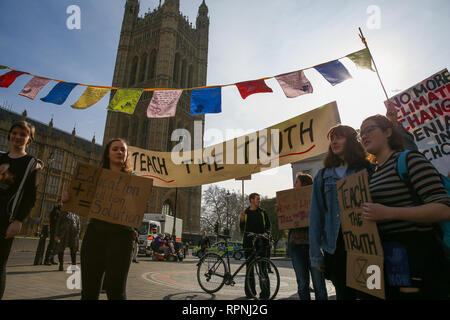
<point>404,213</point>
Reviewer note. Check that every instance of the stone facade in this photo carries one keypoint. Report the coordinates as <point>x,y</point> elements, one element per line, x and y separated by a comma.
<point>59,152</point>
<point>161,49</point>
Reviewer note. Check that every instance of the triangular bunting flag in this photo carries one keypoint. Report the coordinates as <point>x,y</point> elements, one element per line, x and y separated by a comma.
<point>33,87</point>
<point>207,100</point>
<point>2,67</point>
<point>294,84</point>
<point>90,96</point>
<point>125,100</point>
<point>59,93</point>
<point>334,72</point>
<point>9,77</point>
<point>247,88</point>
<point>362,59</point>
<point>163,103</point>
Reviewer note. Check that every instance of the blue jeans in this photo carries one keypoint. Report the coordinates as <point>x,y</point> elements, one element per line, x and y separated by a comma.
<point>300,260</point>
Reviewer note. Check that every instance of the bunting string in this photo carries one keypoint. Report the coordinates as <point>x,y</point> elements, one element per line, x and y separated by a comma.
<point>204,99</point>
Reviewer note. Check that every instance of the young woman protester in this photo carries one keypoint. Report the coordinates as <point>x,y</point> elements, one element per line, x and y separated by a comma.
<point>19,173</point>
<point>107,248</point>
<point>404,212</point>
<point>345,157</point>
<point>298,248</point>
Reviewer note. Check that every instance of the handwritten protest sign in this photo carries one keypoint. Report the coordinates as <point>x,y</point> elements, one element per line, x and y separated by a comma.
<point>294,205</point>
<point>424,110</point>
<point>362,241</point>
<point>290,141</point>
<point>110,196</point>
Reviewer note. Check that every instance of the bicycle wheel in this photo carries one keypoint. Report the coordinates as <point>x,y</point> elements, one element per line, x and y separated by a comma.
<point>211,272</point>
<point>262,279</point>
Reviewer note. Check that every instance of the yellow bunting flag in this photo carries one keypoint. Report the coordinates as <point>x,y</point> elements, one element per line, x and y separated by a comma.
<point>125,100</point>
<point>91,96</point>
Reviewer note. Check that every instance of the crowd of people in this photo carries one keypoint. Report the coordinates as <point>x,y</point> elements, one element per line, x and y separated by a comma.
<point>405,211</point>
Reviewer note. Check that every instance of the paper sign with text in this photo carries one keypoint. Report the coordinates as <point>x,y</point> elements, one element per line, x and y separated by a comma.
<point>424,110</point>
<point>294,206</point>
<point>114,197</point>
<point>361,237</point>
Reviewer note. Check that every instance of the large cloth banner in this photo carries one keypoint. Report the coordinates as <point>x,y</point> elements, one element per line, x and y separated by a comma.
<point>109,196</point>
<point>293,140</point>
<point>424,110</point>
<point>365,258</point>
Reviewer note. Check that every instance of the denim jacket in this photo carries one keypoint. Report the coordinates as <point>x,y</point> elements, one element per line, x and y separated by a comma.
<point>324,223</point>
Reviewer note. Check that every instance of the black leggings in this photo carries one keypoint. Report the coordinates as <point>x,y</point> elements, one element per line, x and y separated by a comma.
<point>106,251</point>
<point>5,249</point>
<point>73,255</point>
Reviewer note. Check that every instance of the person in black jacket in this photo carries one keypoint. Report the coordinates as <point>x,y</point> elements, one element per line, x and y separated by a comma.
<point>51,248</point>
<point>254,219</point>
<point>19,173</point>
<point>67,235</point>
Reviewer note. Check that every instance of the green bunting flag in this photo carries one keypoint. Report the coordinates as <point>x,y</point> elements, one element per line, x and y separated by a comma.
<point>125,100</point>
<point>362,59</point>
<point>2,67</point>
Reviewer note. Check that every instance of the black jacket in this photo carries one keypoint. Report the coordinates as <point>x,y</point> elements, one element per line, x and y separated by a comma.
<point>257,221</point>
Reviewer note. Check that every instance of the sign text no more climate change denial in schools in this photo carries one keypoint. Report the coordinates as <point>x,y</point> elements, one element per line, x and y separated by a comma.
<point>290,141</point>
<point>362,241</point>
<point>294,206</point>
<point>424,110</point>
<point>110,196</point>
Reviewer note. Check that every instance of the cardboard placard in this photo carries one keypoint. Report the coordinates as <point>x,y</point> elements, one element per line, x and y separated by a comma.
<point>110,196</point>
<point>423,110</point>
<point>294,206</point>
<point>362,241</point>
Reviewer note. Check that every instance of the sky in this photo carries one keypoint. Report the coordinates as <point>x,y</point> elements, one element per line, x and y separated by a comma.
<point>248,40</point>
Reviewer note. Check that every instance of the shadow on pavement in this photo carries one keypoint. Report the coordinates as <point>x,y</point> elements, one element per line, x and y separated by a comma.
<point>190,296</point>
<point>64,296</point>
<point>32,272</point>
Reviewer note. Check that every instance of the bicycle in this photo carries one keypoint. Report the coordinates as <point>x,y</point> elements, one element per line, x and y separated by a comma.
<point>213,273</point>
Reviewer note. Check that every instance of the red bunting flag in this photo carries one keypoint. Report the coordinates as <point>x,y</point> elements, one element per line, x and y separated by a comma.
<point>250,87</point>
<point>9,77</point>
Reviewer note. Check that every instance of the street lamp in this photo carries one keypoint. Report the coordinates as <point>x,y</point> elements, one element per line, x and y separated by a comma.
<point>50,160</point>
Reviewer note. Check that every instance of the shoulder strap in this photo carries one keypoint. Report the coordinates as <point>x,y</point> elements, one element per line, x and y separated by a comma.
<point>322,188</point>
<point>402,168</point>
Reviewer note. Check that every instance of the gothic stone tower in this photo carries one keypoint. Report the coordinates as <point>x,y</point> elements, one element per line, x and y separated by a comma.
<point>161,50</point>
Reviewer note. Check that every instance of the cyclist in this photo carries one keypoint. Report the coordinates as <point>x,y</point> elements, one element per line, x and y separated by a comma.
<point>255,220</point>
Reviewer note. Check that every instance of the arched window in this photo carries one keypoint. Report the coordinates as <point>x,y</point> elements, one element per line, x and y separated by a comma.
<point>143,67</point>
<point>134,65</point>
<point>167,208</point>
<point>152,70</point>
<point>183,74</point>
<point>176,66</point>
<point>190,75</point>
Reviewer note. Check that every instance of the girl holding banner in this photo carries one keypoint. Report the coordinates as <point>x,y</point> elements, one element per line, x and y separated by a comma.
<point>18,184</point>
<point>107,248</point>
<point>345,157</point>
<point>298,247</point>
<point>404,211</point>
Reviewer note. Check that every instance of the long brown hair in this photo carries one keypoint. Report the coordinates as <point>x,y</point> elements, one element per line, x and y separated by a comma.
<point>104,163</point>
<point>354,154</point>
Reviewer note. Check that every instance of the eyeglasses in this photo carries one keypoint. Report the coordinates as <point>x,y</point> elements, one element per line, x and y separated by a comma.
<point>367,130</point>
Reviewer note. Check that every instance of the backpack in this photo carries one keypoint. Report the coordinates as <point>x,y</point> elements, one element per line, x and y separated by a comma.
<point>402,171</point>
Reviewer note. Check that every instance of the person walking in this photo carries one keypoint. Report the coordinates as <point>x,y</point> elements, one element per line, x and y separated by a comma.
<point>67,234</point>
<point>345,157</point>
<point>298,248</point>
<point>51,248</point>
<point>204,244</point>
<point>255,220</point>
<point>404,211</point>
<point>19,173</point>
<point>107,248</point>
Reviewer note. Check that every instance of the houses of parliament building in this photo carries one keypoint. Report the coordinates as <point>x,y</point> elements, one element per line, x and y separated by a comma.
<point>160,49</point>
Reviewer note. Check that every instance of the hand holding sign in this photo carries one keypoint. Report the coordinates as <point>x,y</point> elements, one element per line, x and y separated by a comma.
<point>376,212</point>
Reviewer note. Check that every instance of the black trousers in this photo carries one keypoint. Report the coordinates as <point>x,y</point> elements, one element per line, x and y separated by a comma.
<point>106,252</point>
<point>51,246</point>
<point>73,255</point>
<point>5,249</point>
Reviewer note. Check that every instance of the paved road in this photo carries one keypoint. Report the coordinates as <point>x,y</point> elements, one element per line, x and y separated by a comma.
<point>147,280</point>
